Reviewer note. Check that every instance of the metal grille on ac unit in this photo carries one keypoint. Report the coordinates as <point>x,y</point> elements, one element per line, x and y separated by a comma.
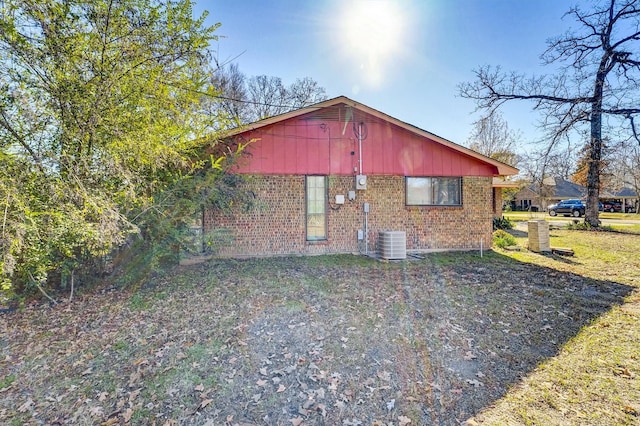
<point>392,245</point>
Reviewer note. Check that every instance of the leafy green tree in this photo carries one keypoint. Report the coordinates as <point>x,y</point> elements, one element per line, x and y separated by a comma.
<point>101,120</point>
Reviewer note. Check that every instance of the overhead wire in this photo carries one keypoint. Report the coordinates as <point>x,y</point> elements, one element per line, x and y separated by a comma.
<point>227,98</point>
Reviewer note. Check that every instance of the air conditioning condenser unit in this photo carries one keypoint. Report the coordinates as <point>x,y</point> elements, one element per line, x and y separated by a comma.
<point>392,245</point>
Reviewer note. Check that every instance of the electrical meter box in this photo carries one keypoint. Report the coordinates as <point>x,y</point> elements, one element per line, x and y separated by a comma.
<point>361,182</point>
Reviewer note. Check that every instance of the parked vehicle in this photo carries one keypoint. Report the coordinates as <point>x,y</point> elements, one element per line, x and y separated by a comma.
<point>612,206</point>
<point>575,208</point>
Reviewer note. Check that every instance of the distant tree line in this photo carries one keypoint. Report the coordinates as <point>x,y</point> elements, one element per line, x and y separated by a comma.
<point>248,99</point>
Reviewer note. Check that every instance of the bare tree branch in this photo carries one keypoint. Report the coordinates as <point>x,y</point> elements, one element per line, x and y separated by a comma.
<point>601,78</point>
<point>633,128</point>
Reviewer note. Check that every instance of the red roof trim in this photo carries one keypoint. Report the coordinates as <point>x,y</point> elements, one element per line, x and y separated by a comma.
<point>502,168</point>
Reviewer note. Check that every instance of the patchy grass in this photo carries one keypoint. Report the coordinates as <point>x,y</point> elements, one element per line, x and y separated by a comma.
<point>629,229</point>
<point>595,377</point>
<point>510,338</point>
<point>621,216</point>
<point>524,216</point>
<point>617,222</point>
<point>6,381</point>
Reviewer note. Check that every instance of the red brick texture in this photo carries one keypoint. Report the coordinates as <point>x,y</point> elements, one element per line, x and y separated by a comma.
<point>276,224</point>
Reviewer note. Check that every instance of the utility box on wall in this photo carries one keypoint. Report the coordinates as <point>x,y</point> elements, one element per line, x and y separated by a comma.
<point>361,182</point>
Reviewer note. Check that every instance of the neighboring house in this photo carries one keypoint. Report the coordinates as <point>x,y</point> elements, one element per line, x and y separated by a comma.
<point>629,199</point>
<point>329,177</point>
<point>556,189</point>
<point>527,199</point>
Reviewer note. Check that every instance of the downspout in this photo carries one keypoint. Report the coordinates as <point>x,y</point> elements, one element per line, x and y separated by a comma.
<point>366,205</point>
<point>366,231</point>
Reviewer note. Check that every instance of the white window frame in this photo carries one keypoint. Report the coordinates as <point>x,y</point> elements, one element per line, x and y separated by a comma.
<point>316,208</point>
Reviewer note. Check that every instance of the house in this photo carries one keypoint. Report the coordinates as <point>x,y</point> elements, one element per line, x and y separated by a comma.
<point>537,197</point>
<point>628,198</point>
<point>554,189</point>
<point>330,177</point>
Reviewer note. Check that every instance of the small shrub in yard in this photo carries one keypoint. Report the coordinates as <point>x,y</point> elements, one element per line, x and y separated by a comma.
<point>502,223</point>
<point>503,239</point>
<point>586,226</point>
<point>579,226</point>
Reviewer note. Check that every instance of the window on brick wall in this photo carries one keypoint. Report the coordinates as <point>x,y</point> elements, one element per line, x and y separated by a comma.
<point>316,190</point>
<point>434,191</point>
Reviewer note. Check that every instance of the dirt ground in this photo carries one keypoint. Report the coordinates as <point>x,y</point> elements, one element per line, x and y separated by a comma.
<point>296,341</point>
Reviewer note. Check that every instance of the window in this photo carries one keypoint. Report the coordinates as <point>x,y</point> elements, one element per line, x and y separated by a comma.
<point>316,208</point>
<point>434,191</point>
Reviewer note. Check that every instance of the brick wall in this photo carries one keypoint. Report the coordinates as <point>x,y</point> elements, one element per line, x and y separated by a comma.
<point>276,224</point>
<point>497,202</point>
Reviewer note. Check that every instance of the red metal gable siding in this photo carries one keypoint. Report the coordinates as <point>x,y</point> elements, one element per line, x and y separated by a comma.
<point>323,144</point>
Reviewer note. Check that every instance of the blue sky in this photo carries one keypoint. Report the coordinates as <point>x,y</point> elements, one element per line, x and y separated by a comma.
<point>404,58</point>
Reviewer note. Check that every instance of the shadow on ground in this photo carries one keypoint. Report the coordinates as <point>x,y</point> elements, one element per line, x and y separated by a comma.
<point>493,324</point>
<point>326,340</point>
